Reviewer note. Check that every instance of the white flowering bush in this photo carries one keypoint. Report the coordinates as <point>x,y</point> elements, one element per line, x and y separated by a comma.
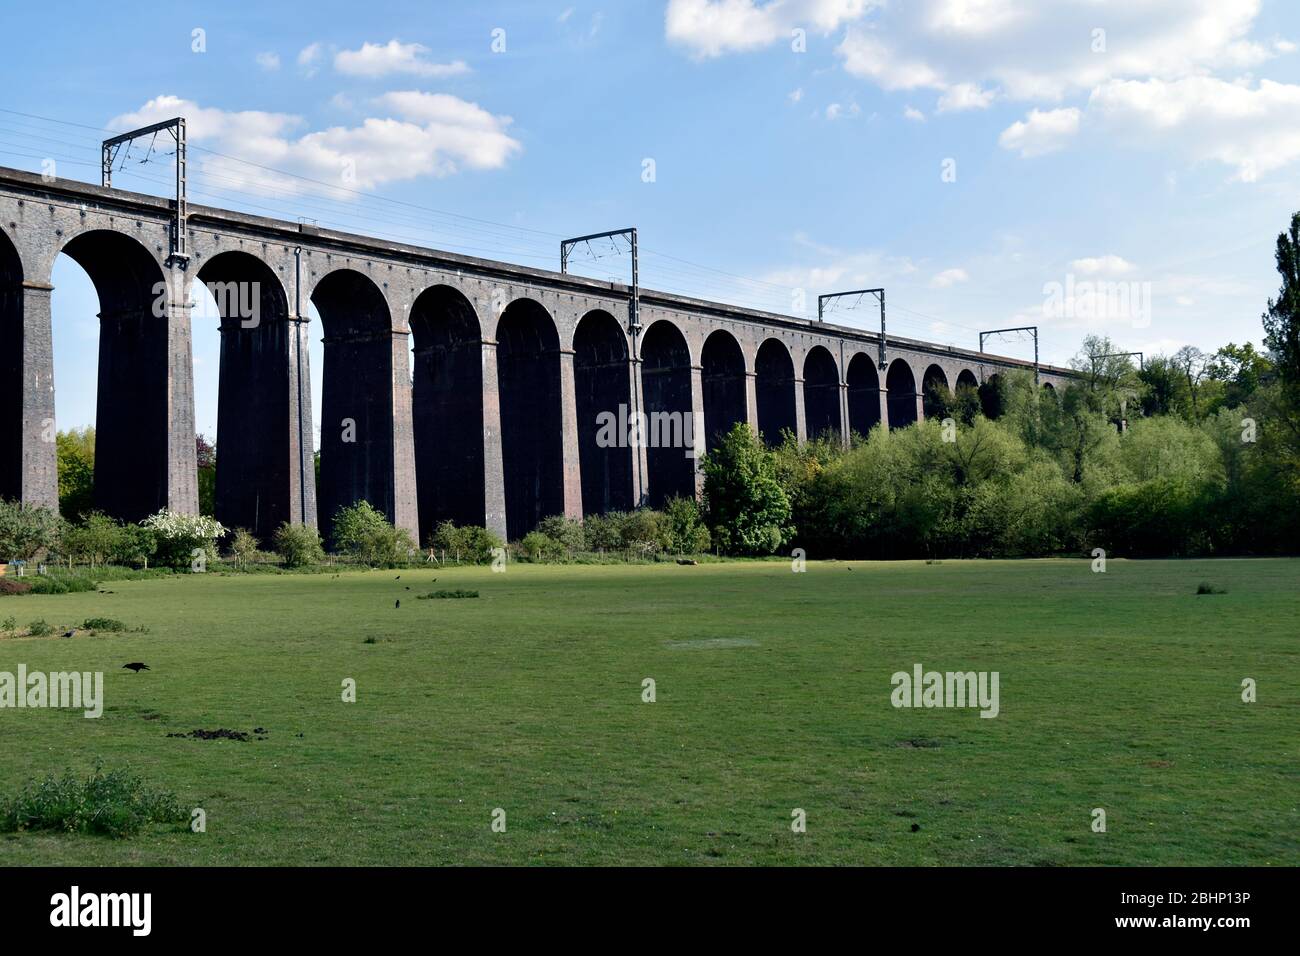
<point>180,535</point>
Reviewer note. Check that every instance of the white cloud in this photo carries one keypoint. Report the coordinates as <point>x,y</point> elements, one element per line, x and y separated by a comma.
<point>796,95</point>
<point>837,110</point>
<point>268,61</point>
<point>1041,132</point>
<point>965,96</point>
<point>427,135</point>
<point>914,115</point>
<point>564,15</point>
<point>376,60</point>
<point>710,28</point>
<point>1045,50</point>
<point>1108,265</point>
<point>948,278</point>
<point>309,58</point>
<point>1251,129</point>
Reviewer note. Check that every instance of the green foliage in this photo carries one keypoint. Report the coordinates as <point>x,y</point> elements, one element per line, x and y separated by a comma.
<point>469,543</point>
<point>40,628</point>
<point>108,624</point>
<point>1282,319</point>
<point>179,536</point>
<point>114,804</point>
<point>298,545</point>
<point>538,546</point>
<point>61,583</point>
<point>362,531</point>
<point>94,540</point>
<point>75,450</point>
<point>445,595</point>
<point>684,527</point>
<point>243,546</point>
<point>25,532</point>
<point>745,505</point>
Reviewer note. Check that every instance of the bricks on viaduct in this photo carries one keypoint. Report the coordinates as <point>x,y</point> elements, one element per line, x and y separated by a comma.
<point>453,387</point>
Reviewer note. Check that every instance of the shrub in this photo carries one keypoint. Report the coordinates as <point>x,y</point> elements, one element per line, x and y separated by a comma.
<point>448,595</point>
<point>684,527</point>
<point>298,545</point>
<point>40,628</point>
<point>115,804</point>
<point>471,543</point>
<point>541,547</point>
<point>95,539</point>
<point>243,547</point>
<point>103,624</point>
<point>26,531</point>
<point>180,536</point>
<point>61,584</point>
<point>8,586</point>
<point>362,531</point>
<point>567,533</point>
<point>136,544</point>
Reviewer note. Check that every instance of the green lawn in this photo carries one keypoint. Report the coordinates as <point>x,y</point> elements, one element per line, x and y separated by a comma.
<point>1118,690</point>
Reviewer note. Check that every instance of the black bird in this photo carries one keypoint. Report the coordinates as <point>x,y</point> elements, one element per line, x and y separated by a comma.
<point>916,827</point>
<point>70,633</point>
<point>135,667</point>
<point>408,587</point>
<point>398,578</point>
<point>398,604</point>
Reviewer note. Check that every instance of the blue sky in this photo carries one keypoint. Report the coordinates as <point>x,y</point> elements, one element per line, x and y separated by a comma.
<point>965,154</point>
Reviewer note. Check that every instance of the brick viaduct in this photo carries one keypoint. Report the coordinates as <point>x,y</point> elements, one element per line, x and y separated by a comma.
<point>496,424</point>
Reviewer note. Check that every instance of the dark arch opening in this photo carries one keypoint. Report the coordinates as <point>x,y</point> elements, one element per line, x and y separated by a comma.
<point>966,379</point>
<point>864,394</point>
<point>992,398</point>
<point>775,387</point>
<point>356,429</point>
<point>935,396</point>
<point>901,385</point>
<point>447,409</point>
<point>254,480</point>
<point>11,370</point>
<point>600,374</point>
<point>132,394</point>
<point>666,382</point>
<point>724,386</point>
<point>821,394</point>
<point>528,376</point>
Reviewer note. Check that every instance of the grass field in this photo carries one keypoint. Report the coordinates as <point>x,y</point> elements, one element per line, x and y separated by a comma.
<point>1119,690</point>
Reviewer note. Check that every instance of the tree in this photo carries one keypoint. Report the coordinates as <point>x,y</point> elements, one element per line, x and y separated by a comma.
<point>26,531</point>
<point>363,531</point>
<point>243,546</point>
<point>97,538</point>
<point>1282,320</point>
<point>1192,365</point>
<point>76,457</point>
<point>744,502</point>
<point>1241,370</point>
<point>206,453</point>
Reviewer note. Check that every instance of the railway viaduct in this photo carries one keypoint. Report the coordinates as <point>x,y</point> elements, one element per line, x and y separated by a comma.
<point>453,387</point>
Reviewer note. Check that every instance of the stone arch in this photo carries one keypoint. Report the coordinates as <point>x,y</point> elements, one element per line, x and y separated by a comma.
<point>935,391</point>
<point>603,392</point>
<point>966,379</point>
<point>532,445</point>
<point>992,397</point>
<point>447,409</point>
<point>13,341</point>
<point>774,387</point>
<point>901,385</point>
<point>134,388</point>
<point>723,375</point>
<point>864,393</point>
<point>821,393</point>
<point>666,384</point>
<point>357,382</point>
<point>257,396</point>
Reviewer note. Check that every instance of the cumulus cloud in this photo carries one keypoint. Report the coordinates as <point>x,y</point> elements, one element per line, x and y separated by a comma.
<point>425,134</point>
<point>1108,265</point>
<point>376,60</point>
<point>948,278</point>
<point>915,115</point>
<point>965,96</point>
<point>709,28</point>
<point>268,61</point>
<point>1041,132</point>
<point>1250,128</point>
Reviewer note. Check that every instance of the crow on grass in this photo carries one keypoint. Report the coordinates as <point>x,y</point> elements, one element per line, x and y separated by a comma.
<point>135,667</point>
